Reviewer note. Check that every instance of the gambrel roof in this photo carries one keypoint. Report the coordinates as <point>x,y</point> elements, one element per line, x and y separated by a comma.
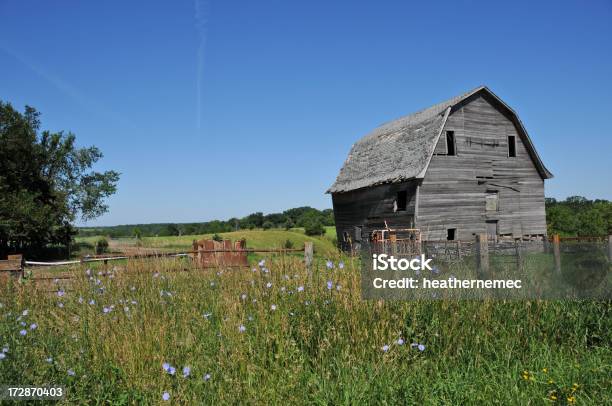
<point>401,149</point>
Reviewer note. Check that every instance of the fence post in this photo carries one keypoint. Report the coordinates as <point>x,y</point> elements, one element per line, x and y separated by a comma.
<point>308,255</point>
<point>557,253</point>
<point>482,260</point>
<point>519,255</point>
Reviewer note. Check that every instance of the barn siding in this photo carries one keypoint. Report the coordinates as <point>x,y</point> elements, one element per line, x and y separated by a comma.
<point>452,194</point>
<point>371,207</point>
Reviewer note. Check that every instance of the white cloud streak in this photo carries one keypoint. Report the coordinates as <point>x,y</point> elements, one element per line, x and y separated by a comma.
<point>201,26</point>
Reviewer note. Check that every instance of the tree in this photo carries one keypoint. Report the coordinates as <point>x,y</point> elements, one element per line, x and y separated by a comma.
<point>313,227</point>
<point>46,183</point>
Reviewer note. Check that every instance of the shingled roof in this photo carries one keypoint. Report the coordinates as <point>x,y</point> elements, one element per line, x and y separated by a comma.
<point>401,149</point>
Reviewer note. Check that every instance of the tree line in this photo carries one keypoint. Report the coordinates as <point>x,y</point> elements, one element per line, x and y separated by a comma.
<point>578,216</point>
<point>311,219</point>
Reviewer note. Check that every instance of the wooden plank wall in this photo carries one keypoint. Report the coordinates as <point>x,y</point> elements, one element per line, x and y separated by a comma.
<point>452,194</point>
<point>370,207</point>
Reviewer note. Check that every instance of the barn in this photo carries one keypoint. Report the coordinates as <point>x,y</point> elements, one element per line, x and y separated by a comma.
<point>459,168</point>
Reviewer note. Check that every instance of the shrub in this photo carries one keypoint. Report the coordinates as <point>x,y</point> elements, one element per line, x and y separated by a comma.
<point>288,244</point>
<point>101,246</point>
<point>267,225</point>
<point>217,237</point>
<point>314,227</point>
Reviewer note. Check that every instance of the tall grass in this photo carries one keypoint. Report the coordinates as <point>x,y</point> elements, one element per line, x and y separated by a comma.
<point>259,338</point>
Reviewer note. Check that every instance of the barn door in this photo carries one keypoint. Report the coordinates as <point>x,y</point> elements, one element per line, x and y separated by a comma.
<point>492,229</point>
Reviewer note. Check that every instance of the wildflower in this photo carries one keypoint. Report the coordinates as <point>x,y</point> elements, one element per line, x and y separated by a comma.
<point>306,302</point>
<point>283,289</point>
<point>545,370</point>
<point>165,396</point>
<point>49,360</point>
<point>435,270</point>
<point>106,310</point>
<point>207,315</point>
<point>273,307</point>
<point>341,265</point>
<point>338,287</point>
<point>23,324</point>
<point>33,326</point>
<point>385,348</point>
<point>60,293</point>
<point>212,284</point>
<point>329,285</point>
<point>92,302</point>
<point>207,377</point>
<point>250,318</point>
<point>400,341</point>
<point>134,302</point>
<point>80,299</point>
<point>25,312</point>
<point>126,309</point>
<point>166,366</point>
<point>254,269</point>
<point>156,274</point>
<point>5,348</point>
<point>269,285</point>
<point>71,372</point>
<point>186,372</point>
<point>133,288</point>
<point>23,332</point>
<point>2,355</point>
<point>243,296</point>
<point>262,263</point>
<point>88,272</point>
<point>171,370</point>
<point>421,347</point>
<point>241,328</point>
<point>300,289</point>
<point>329,264</point>
<point>571,399</point>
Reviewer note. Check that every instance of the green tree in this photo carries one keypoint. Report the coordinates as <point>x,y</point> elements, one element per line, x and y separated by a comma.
<point>46,183</point>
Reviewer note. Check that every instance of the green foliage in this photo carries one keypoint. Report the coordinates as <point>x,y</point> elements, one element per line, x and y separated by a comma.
<point>291,218</point>
<point>288,244</point>
<point>578,216</point>
<point>46,183</point>
<point>217,237</point>
<point>101,246</point>
<point>313,227</point>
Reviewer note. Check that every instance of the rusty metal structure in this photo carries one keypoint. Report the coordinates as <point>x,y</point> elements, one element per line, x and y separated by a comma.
<point>211,253</point>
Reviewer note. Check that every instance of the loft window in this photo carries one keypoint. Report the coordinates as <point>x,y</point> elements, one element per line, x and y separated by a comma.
<point>402,200</point>
<point>451,233</point>
<point>511,146</point>
<point>491,201</point>
<point>450,143</point>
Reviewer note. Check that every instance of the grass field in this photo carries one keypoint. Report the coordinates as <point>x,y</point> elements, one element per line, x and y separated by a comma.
<point>277,334</point>
<point>273,238</point>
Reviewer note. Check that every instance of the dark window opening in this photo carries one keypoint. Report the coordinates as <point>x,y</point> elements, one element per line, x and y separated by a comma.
<point>450,234</point>
<point>402,200</point>
<point>511,146</point>
<point>450,143</point>
<point>345,236</point>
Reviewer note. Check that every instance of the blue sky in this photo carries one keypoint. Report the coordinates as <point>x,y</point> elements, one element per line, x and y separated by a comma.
<point>214,109</point>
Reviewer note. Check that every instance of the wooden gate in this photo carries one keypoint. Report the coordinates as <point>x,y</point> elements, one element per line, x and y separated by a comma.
<point>211,253</point>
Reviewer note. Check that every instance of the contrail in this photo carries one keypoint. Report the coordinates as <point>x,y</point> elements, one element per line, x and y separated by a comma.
<point>201,23</point>
<point>69,90</point>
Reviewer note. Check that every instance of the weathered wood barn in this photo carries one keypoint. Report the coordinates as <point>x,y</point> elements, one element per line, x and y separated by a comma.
<point>462,167</point>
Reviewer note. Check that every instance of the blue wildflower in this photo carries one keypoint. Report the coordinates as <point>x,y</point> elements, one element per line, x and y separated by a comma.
<point>186,372</point>
<point>33,326</point>
<point>23,332</point>
<point>400,341</point>
<point>166,366</point>
<point>273,307</point>
<point>329,264</point>
<point>341,265</point>
<point>385,348</point>
<point>207,377</point>
<point>165,396</point>
<point>2,355</point>
<point>71,372</point>
<point>330,285</point>
<point>242,328</point>
<point>300,289</point>
<point>262,263</point>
